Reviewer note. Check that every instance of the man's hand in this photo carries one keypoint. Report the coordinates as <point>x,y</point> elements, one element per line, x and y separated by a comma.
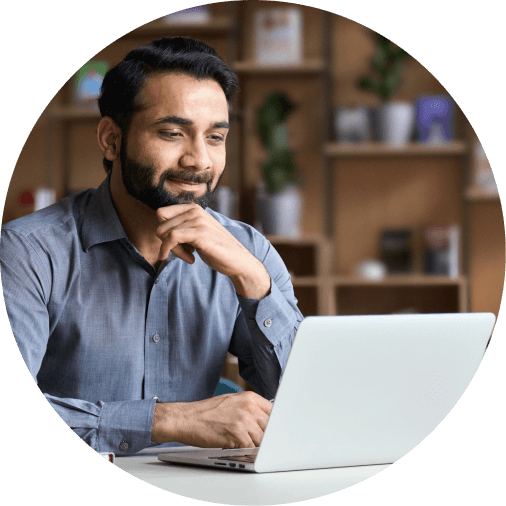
<point>185,228</point>
<point>226,421</point>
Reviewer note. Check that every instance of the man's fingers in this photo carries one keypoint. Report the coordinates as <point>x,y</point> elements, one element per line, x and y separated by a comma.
<point>167,213</point>
<point>182,251</point>
<point>264,405</point>
<point>188,248</point>
<point>256,434</point>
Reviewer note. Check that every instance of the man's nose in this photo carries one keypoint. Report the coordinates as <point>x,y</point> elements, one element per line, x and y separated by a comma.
<point>196,155</point>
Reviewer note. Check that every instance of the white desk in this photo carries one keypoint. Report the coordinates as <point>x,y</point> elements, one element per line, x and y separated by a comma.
<point>231,487</point>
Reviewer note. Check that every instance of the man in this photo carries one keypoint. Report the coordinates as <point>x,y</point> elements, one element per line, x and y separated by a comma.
<point>125,299</point>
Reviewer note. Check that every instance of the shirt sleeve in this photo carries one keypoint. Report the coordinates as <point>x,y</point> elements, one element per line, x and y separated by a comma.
<point>118,427</point>
<point>265,329</point>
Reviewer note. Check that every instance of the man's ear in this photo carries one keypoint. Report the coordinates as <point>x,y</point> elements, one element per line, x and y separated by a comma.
<point>109,138</point>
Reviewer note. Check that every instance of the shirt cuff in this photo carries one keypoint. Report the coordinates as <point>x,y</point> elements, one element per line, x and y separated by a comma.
<point>272,315</point>
<point>125,427</point>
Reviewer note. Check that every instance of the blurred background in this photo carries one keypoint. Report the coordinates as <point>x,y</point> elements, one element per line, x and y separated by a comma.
<point>345,151</point>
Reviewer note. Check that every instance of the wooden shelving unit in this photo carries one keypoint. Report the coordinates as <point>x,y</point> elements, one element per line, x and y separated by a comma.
<point>309,261</point>
<point>351,191</point>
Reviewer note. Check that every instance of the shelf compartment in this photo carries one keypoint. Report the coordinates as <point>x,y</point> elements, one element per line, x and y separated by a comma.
<point>388,299</point>
<point>308,300</point>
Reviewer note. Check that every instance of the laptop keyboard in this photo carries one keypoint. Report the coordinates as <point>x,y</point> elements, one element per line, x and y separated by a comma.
<point>250,458</point>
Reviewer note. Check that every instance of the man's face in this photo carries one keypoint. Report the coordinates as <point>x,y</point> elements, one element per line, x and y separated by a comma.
<point>175,147</point>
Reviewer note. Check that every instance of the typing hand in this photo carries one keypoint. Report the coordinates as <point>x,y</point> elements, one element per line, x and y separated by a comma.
<point>226,421</point>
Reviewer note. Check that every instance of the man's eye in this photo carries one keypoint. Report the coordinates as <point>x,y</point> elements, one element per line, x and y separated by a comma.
<point>217,138</point>
<point>170,134</point>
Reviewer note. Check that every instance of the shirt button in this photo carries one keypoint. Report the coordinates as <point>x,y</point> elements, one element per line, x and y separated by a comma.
<point>155,398</point>
<point>156,338</point>
<point>252,322</point>
<point>268,322</point>
<point>124,446</point>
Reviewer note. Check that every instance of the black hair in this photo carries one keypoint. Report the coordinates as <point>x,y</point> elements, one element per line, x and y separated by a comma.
<point>181,55</point>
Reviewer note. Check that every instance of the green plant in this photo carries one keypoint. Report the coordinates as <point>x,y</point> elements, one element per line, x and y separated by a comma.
<point>279,169</point>
<point>387,66</point>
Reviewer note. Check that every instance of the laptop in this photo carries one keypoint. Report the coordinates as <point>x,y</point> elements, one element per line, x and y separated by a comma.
<point>360,390</point>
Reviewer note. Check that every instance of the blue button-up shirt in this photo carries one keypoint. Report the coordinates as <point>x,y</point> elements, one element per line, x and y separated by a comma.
<point>104,333</point>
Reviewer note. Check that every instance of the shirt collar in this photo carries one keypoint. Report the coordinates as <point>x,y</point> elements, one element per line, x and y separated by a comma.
<point>101,222</point>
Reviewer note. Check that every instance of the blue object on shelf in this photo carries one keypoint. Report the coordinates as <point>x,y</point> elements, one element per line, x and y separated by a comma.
<point>226,386</point>
<point>435,119</point>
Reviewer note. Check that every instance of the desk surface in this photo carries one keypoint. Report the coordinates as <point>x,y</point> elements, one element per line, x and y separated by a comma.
<point>231,487</point>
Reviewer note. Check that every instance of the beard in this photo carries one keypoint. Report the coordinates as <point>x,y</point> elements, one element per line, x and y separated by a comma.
<point>138,181</point>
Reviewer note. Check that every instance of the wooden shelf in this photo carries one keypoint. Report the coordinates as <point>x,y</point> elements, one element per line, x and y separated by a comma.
<point>216,25</point>
<point>305,67</point>
<point>307,239</point>
<point>80,112</point>
<point>401,280</point>
<point>307,280</point>
<point>411,280</point>
<point>337,149</point>
<point>476,194</point>
<point>73,112</point>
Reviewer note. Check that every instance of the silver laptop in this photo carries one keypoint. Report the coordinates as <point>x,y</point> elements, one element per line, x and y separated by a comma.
<point>360,390</point>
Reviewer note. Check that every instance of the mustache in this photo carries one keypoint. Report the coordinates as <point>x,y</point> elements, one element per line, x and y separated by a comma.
<point>187,175</point>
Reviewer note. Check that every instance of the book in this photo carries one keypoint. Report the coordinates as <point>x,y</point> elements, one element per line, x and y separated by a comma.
<point>194,15</point>
<point>396,248</point>
<point>442,250</point>
<point>278,36</point>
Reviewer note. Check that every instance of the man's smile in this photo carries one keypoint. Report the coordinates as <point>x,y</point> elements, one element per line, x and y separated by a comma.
<point>182,183</point>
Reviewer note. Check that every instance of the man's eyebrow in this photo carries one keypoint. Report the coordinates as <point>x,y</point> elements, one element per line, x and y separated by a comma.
<point>176,120</point>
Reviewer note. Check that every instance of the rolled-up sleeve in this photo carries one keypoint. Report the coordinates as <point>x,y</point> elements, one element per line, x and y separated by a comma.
<point>265,329</point>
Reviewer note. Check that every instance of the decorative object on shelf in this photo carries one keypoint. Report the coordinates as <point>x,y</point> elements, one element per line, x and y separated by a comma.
<point>225,202</point>
<point>26,197</point>
<point>395,122</point>
<point>281,202</point>
<point>483,177</point>
<point>37,197</point>
<point>442,250</point>
<point>44,197</point>
<point>396,248</point>
<point>278,36</point>
<point>394,119</point>
<point>353,124</point>
<point>435,119</point>
<point>194,15</point>
<point>371,269</point>
<point>87,82</point>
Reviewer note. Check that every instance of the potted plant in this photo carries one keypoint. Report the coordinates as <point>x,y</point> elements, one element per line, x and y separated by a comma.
<point>280,205</point>
<point>395,119</point>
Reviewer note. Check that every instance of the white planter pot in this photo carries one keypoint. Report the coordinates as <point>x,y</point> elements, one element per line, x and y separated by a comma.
<point>395,122</point>
<point>282,212</point>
